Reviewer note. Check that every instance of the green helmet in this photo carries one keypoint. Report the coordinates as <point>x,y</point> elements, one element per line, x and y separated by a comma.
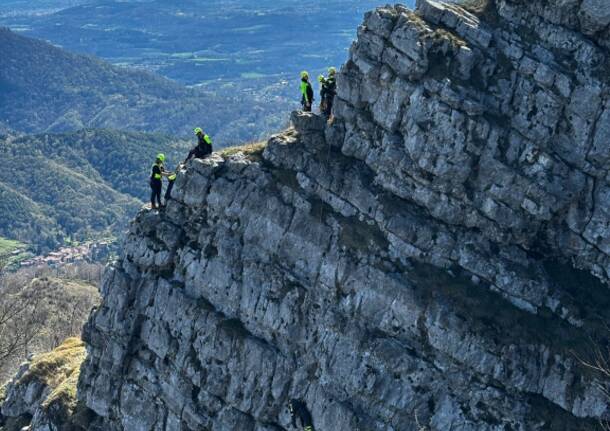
<point>161,157</point>
<point>332,71</point>
<point>321,78</point>
<point>198,130</point>
<point>304,74</point>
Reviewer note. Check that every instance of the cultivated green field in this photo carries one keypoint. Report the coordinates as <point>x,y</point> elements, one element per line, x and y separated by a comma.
<point>12,252</point>
<point>8,246</point>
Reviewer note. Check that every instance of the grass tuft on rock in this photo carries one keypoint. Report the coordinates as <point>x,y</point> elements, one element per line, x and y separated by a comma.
<point>65,392</point>
<point>59,370</point>
<point>252,151</point>
<point>2,393</point>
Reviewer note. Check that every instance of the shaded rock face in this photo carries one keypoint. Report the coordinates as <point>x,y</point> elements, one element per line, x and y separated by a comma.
<point>432,259</point>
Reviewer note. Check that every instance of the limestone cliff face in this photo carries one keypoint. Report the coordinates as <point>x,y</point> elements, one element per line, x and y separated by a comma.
<point>433,259</point>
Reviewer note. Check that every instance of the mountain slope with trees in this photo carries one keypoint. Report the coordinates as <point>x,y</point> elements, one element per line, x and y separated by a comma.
<point>46,89</point>
<point>76,185</point>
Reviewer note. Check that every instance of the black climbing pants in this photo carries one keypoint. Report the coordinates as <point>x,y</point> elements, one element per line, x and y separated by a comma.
<point>156,187</point>
<point>168,192</point>
<point>328,106</point>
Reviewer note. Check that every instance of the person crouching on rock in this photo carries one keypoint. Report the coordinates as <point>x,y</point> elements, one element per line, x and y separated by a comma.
<point>306,92</point>
<point>156,181</point>
<point>203,148</point>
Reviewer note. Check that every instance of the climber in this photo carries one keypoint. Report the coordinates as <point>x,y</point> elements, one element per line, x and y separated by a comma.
<point>328,91</point>
<point>156,181</point>
<point>171,178</point>
<point>306,92</point>
<point>203,148</point>
<point>298,409</point>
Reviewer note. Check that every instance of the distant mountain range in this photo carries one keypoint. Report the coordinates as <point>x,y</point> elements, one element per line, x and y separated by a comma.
<point>46,89</point>
<point>241,42</point>
<point>244,56</point>
<point>76,185</point>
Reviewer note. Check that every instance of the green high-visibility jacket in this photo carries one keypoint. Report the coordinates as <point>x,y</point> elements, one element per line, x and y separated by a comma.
<point>306,91</point>
<point>157,170</point>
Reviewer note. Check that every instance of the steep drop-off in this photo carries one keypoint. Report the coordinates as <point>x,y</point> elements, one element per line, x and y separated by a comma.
<point>437,257</point>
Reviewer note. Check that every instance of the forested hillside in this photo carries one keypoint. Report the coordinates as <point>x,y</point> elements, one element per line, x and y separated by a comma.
<point>46,89</point>
<point>76,185</point>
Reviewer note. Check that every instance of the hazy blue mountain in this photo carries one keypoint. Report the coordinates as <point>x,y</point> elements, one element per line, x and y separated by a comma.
<point>244,54</point>
<point>251,49</point>
<point>44,88</point>
<point>195,41</point>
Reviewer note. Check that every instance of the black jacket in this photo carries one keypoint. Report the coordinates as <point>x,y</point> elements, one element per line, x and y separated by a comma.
<point>202,150</point>
<point>156,174</point>
<point>329,88</point>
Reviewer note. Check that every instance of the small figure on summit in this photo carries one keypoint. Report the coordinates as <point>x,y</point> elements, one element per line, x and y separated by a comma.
<point>306,92</point>
<point>203,148</point>
<point>156,181</point>
<point>328,91</point>
<point>298,409</point>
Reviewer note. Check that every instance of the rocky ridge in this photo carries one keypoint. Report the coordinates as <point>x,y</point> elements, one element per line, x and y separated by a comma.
<point>432,259</point>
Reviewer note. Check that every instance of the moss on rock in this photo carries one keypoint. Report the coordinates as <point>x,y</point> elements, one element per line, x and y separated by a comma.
<point>252,151</point>
<point>56,375</point>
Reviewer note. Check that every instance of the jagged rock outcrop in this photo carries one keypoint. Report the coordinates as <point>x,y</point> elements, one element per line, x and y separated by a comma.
<point>42,396</point>
<point>434,258</point>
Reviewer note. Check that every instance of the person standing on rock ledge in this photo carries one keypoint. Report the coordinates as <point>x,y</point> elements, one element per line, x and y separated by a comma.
<point>203,148</point>
<point>306,92</point>
<point>328,92</point>
<point>156,181</point>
